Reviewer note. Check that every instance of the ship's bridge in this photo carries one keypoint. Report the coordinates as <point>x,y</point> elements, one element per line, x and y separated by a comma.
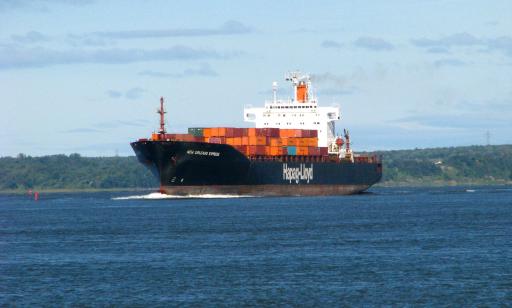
<point>301,112</point>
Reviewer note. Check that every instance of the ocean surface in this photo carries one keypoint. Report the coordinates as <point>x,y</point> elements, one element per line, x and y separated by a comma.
<point>392,247</point>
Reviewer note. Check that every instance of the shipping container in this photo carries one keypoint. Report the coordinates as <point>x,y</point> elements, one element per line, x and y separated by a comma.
<point>221,131</point>
<point>270,132</point>
<point>257,140</point>
<point>245,140</point>
<point>218,140</point>
<point>291,150</point>
<point>237,132</point>
<point>260,150</point>
<point>229,132</point>
<point>276,151</point>
<point>286,133</point>
<point>293,141</point>
<point>314,151</point>
<point>276,142</point>
<point>324,151</point>
<point>302,151</point>
<point>313,142</point>
<point>196,131</point>
<point>207,132</point>
<point>303,142</point>
<point>256,150</point>
<point>251,132</point>
<point>182,137</point>
<point>260,132</point>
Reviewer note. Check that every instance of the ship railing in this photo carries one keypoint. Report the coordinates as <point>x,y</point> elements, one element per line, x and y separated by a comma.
<point>291,158</point>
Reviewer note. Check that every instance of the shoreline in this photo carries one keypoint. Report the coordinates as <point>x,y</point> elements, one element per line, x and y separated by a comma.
<point>155,189</point>
<point>76,190</point>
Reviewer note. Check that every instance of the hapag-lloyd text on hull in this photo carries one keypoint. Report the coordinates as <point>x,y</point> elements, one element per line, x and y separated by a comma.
<point>297,174</point>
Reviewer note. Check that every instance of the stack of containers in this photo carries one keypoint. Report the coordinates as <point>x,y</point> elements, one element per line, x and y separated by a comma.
<point>255,141</point>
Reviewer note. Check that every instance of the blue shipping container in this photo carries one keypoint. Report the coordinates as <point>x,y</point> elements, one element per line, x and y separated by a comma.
<point>292,150</point>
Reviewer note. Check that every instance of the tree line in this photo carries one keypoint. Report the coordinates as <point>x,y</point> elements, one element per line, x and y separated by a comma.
<point>437,166</point>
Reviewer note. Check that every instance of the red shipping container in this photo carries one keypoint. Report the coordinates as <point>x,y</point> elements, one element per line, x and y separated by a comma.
<point>260,150</point>
<point>324,151</point>
<point>274,132</point>
<point>255,150</point>
<point>260,132</point>
<point>314,151</point>
<point>237,132</point>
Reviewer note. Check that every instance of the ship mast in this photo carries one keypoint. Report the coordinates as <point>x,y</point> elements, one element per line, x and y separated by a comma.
<point>161,112</point>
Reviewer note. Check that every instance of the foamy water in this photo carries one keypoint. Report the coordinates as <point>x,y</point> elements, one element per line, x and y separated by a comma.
<point>157,196</point>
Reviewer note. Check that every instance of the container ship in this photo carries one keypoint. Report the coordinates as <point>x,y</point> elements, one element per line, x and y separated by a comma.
<point>293,150</point>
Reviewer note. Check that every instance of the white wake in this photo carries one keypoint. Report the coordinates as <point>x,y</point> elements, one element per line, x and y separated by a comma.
<point>157,196</point>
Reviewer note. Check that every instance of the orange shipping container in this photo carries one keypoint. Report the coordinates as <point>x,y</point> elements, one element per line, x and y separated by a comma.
<point>285,133</point>
<point>293,142</point>
<point>257,140</point>
<point>237,141</point>
<point>276,142</point>
<point>251,131</point>
<point>313,142</point>
<point>245,140</point>
<point>207,132</point>
<point>303,151</point>
<point>275,151</point>
<point>302,142</point>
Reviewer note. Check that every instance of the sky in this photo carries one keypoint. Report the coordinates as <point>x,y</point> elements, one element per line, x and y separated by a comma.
<point>85,76</point>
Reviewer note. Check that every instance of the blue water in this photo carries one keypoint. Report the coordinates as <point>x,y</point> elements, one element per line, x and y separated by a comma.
<point>436,247</point>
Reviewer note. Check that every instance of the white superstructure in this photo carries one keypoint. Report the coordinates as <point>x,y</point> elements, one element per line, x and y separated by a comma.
<point>301,112</point>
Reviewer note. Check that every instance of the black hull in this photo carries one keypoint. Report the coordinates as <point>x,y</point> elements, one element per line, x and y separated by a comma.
<point>196,168</point>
